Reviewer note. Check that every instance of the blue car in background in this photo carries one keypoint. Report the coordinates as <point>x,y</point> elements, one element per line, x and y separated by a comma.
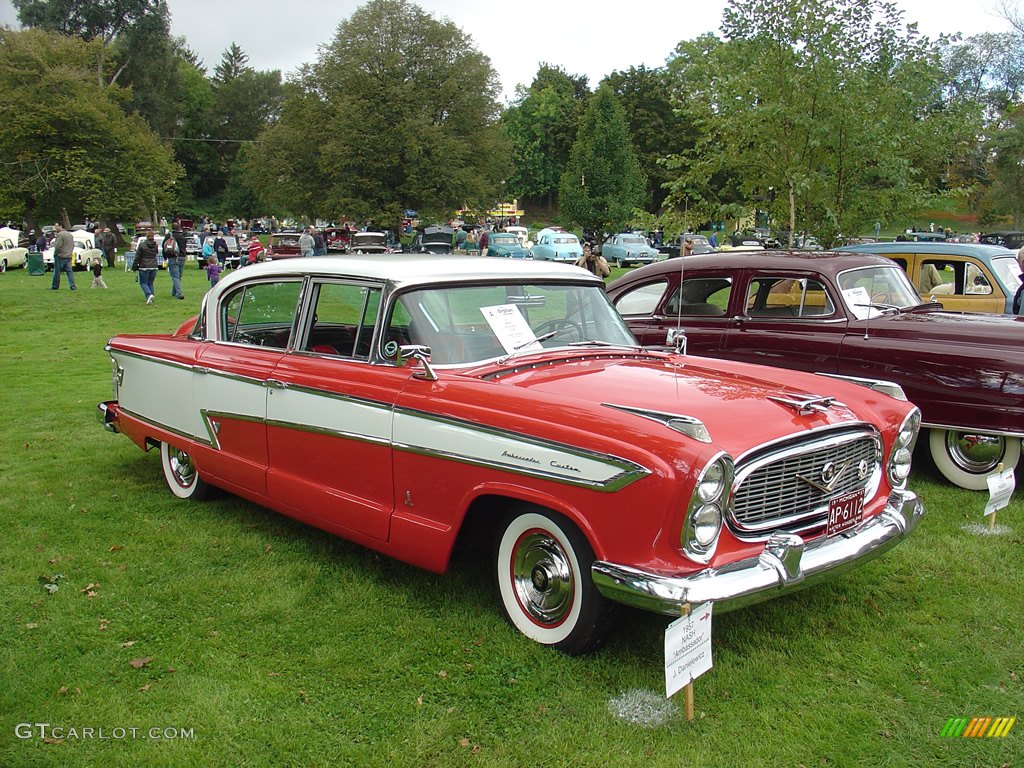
<point>628,248</point>
<point>555,244</point>
<point>506,245</point>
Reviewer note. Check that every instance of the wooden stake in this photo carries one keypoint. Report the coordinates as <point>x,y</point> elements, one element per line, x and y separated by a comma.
<point>688,688</point>
<point>991,517</point>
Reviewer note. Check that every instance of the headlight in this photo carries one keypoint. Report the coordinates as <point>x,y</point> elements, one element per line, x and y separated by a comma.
<point>709,487</point>
<point>706,511</point>
<point>903,449</point>
<point>707,522</point>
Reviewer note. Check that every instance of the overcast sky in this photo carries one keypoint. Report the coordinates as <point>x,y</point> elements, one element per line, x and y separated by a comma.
<point>517,36</point>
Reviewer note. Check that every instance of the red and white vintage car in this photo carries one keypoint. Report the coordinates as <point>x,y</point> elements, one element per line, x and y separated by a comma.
<point>398,400</point>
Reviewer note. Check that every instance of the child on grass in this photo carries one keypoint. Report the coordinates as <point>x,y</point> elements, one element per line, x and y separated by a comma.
<point>213,270</point>
<point>97,274</point>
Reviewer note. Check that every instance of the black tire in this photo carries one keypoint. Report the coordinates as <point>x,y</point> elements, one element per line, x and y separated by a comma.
<point>542,568</point>
<point>181,475</point>
<point>967,459</point>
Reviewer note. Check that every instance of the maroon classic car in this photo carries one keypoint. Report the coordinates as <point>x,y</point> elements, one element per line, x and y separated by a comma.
<point>849,315</point>
<point>399,401</point>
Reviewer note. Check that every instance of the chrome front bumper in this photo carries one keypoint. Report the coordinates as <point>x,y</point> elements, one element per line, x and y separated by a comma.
<point>105,416</point>
<point>785,565</point>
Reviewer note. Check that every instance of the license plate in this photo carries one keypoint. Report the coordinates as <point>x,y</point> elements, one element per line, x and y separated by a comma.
<point>844,512</point>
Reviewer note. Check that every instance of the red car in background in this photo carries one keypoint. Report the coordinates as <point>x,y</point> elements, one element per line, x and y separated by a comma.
<point>283,245</point>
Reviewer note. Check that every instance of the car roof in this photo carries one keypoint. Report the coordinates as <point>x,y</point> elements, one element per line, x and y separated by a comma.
<point>403,270</point>
<point>825,262</point>
<point>978,250</point>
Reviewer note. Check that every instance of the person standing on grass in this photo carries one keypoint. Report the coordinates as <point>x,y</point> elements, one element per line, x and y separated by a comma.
<point>174,255</point>
<point>97,274</point>
<point>147,263</point>
<point>63,250</point>
<point>212,271</point>
<point>107,243</point>
<point>1018,298</point>
<point>306,243</point>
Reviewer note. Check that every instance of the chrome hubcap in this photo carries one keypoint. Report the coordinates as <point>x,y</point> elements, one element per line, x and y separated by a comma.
<point>977,454</point>
<point>542,578</point>
<point>182,469</point>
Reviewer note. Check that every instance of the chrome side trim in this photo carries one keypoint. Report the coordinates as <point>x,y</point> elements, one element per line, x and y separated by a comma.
<point>787,563</point>
<point>971,430</point>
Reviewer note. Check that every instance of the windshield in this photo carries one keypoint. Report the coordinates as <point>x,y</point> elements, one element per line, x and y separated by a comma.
<point>504,240</point>
<point>1008,271</point>
<point>869,291</point>
<point>464,325</point>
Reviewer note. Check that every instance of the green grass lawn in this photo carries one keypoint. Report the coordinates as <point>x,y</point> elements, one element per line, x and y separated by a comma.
<point>268,643</point>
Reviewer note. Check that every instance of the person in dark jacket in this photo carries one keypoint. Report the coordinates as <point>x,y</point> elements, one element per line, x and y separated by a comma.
<point>1018,298</point>
<point>146,263</point>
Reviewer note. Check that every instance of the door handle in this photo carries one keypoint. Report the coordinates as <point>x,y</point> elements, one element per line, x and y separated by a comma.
<point>276,384</point>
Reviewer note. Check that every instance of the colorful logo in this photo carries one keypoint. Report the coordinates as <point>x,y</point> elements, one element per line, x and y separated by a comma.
<point>977,727</point>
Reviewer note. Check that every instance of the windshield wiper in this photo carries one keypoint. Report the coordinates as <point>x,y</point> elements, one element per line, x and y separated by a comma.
<point>542,337</point>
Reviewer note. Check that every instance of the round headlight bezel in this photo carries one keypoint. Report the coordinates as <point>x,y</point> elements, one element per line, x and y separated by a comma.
<point>705,514</point>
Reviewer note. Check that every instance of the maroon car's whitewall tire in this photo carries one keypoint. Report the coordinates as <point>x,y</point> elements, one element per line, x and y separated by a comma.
<point>181,475</point>
<point>966,459</point>
<point>542,568</point>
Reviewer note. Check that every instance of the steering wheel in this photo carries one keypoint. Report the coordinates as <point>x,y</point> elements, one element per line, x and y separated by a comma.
<point>560,326</point>
<point>882,297</point>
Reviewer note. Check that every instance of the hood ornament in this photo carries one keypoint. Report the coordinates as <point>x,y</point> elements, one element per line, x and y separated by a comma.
<point>807,405</point>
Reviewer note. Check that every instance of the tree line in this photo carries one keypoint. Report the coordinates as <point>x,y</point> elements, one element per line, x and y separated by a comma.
<point>828,115</point>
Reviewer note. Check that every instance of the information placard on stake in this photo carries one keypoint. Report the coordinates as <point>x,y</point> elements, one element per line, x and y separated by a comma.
<point>687,648</point>
<point>1000,488</point>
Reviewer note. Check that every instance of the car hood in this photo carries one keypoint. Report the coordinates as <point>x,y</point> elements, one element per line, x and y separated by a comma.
<point>731,399</point>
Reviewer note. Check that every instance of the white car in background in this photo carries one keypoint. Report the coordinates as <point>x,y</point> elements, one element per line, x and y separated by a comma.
<point>11,255</point>
<point>85,251</point>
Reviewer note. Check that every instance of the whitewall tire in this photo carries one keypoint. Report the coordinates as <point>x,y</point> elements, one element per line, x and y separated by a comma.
<point>542,568</point>
<point>966,458</point>
<point>181,475</point>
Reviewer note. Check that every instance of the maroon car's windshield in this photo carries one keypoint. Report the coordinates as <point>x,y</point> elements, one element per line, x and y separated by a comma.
<point>870,291</point>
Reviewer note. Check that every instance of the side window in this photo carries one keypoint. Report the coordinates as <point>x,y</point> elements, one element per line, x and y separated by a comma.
<point>976,283</point>
<point>344,317</point>
<point>643,300</point>
<point>260,314</point>
<point>707,296</point>
<point>788,297</point>
<point>940,277</point>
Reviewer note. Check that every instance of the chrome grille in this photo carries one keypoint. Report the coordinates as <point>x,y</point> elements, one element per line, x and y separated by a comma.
<point>770,495</point>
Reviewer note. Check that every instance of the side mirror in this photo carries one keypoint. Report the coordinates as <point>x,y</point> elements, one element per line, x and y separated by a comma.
<point>676,337</point>
<point>421,353</point>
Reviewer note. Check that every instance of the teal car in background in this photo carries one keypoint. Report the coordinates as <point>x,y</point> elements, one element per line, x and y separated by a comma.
<point>628,248</point>
<point>555,244</point>
<point>506,245</point>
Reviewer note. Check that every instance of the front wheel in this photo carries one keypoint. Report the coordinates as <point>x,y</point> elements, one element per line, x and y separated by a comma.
<point>967,458</point>
<point>542,568</point>
<point>181,474</point>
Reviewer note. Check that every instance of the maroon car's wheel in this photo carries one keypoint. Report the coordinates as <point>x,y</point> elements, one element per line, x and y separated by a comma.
<point>181,474</point>
<point>542,567</point>
<point>967,459</point>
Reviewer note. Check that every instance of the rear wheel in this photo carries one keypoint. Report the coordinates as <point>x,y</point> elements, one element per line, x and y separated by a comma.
<point>181,474</point>
<point>542,568</point>
<point>3,265</point>
<point>967,458</point>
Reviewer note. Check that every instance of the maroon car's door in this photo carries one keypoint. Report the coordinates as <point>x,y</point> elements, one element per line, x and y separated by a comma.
<point>654,308</point>
<point>786,320</point>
